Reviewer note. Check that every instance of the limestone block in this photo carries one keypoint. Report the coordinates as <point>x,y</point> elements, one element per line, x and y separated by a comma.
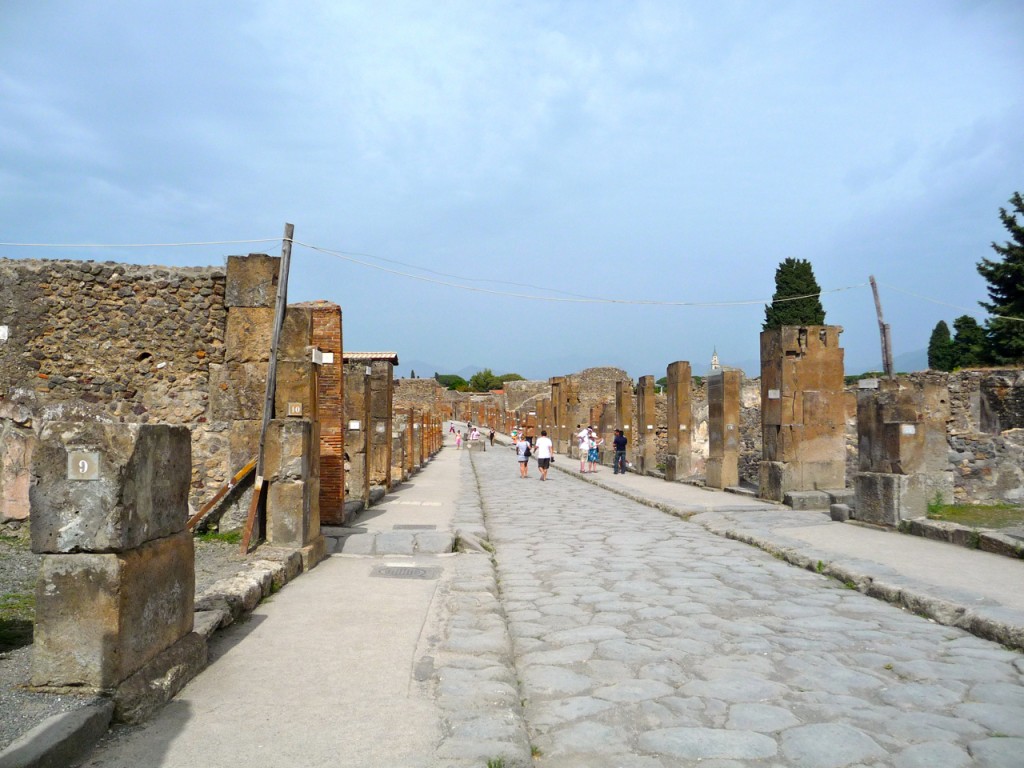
<point>296,383</point>
<point>879,497</point>
<point>288,449</point>
<point>251,281</point>
<point>100,617</point>
<point>806,500</point>
<point>293,513</point>
<point>141,695</point>
<point>477,445</point>
<point>296,335</point>
<point>237,391</point>
<point>722,473</point>
<point>839,513</point>
<point>249,335</point>
<point>141,493</point>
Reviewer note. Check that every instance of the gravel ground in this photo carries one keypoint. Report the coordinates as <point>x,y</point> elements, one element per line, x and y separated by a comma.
<point>23,709</point>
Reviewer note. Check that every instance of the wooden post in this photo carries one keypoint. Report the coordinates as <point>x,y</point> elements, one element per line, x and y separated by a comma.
<point>268,403</point>
<point>883,330</point>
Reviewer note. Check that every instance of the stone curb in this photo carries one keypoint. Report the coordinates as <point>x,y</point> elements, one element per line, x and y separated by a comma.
<point>59,740</point>
<point>964,536</point>
<point>943,612</point>
<point>63,739</point>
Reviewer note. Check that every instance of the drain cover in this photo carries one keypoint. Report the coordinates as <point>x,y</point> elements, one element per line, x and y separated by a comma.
<point>414,527</point>
<point>405,572</point>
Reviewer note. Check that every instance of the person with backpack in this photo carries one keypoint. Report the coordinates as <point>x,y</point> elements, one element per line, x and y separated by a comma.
<point>523,455</point>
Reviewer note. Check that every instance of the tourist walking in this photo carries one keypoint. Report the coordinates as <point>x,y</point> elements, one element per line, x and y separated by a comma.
<point>619,444</point>
<point>492,435</point>
<point>592,453</point>
<point>458,441</point>
<point>545,453</point>
<point>523,455</point>
<point>583,438</point>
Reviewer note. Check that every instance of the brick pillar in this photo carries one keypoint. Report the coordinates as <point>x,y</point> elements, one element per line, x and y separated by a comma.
<point>624,416</point>
<point>645,416</point>
<point>680,422</point>
<point>903,457</point>
<point>803,413</point>
<point>327,337</point>
<point>723,465</point>
<point>114,597</point>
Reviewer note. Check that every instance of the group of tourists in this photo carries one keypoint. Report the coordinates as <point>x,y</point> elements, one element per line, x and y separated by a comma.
<point>542,448</point>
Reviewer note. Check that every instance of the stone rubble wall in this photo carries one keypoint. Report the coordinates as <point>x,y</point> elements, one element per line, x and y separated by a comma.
<point>117,343</point>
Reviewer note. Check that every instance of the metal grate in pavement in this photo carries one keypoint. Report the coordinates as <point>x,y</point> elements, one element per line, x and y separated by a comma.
<point>405,572</point>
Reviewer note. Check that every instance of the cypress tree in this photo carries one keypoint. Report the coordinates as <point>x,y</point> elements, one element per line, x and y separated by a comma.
<point>968,343</point>
<point>940,348</point>
<point>793,278</point>
<point>1005,276</point>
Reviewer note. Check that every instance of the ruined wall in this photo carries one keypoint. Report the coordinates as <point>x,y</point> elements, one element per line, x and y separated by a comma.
<point>119,343</point>
<point>523,394</point>
<point>419,393</point>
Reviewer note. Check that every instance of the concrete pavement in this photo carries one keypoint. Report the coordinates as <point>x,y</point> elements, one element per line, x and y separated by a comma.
<point>608,633</point>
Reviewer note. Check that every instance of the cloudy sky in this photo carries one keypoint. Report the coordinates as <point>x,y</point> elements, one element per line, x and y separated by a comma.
<point>471,170</point>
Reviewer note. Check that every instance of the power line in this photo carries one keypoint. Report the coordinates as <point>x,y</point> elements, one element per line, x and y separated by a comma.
<point>137,245</point>
<point>576,300</point>
<point>947,304</point>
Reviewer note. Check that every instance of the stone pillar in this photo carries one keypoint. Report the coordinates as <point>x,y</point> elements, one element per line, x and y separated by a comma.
<point>417,442</point>
<point>357,418</point>
<point>238,385</point>
<point>381,398</point>
<point>408,434</point>
<point>680,422</point>
<point>723,464</point>
<point>903,456</point>
<point>645,416</point>
<point>398,426</point>
<point>16,443</point>
<point>624,416</point>
<point>291,466</point>
<point>114,598</point>
<point>803,414</point>
<point>557,434</point>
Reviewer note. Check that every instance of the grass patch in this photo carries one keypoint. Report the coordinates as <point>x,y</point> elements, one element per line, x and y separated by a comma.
<point>228,537</point>
<point>17,610</point>
<point>977,515</point>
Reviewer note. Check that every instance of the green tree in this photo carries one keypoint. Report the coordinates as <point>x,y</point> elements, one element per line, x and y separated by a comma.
<point>940,348</point>
<point>511,377</point>
<point>452,381</point>
<point>796,300</point>
<point>1005,337</point>
<point>484,381</point>
<point>968,343</point>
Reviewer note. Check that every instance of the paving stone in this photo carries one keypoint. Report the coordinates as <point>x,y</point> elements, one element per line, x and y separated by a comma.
<point>828,745</point>
<point>997,753</point>
<point>736,689</point>
<point>634,690</point>
<point>705,743</point>
<point>547,680</point>
<point>931,755</point>
<point>998,718</point>
<point>762,718</point>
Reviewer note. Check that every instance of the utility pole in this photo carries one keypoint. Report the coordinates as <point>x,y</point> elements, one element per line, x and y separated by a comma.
<point>280,305</point>
<point>883,329</point>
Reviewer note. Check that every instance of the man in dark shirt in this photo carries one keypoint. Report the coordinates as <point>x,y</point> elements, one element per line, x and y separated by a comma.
<point>619,442</point>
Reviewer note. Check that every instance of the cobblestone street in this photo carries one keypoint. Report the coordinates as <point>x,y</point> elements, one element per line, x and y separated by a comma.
<point>642,640</point>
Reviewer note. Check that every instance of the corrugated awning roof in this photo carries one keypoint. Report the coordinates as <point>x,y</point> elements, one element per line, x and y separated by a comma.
<point>370,357</point>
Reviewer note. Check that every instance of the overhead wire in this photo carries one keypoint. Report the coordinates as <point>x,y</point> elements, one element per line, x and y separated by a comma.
<point>576,300</point>
<point>137,245</point>
<point>947,304</point>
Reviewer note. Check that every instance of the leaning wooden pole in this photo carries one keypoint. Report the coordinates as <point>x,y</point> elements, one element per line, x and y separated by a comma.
<point>268,403</point>
<point>883,329</point>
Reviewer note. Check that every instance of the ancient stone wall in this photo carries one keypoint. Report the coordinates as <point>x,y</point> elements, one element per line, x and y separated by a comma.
<point>119,343</point>
<point>521,395</point>
<point>419,393</point>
